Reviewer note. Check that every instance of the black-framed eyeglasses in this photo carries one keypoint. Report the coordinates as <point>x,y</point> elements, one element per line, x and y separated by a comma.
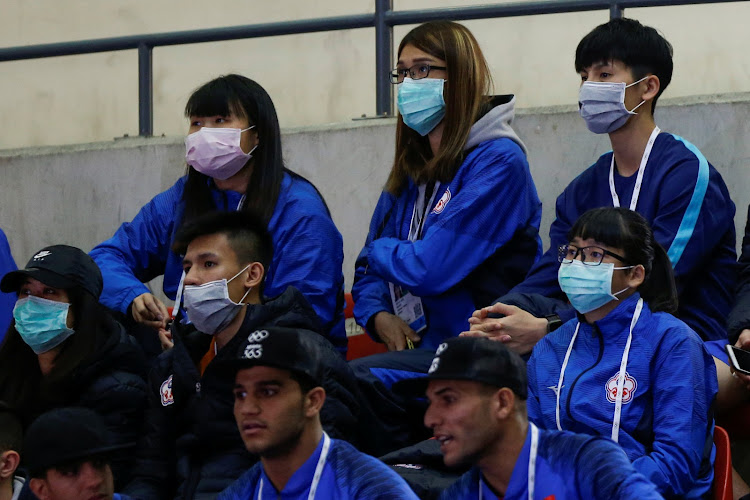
<point>591,256</point>
<point>416,72</point>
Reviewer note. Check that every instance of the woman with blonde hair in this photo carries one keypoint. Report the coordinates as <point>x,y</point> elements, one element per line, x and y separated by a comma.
<point>457,223</point>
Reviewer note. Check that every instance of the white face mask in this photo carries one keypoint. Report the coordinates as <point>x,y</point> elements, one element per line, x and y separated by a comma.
<point>602,105</point>
<point>209,307</point>
<point>216,152</point>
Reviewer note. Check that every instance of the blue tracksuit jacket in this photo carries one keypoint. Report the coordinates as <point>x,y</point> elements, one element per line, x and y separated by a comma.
<point>688,206</point>
<point>493,208</point>
<point>568,467</point>
<point>666,427</point>
<point>7,300</point>
<point>308,251</point>
<point>347,474</point>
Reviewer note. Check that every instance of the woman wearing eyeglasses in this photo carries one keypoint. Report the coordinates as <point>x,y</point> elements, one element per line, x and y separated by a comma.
<point>457,222</point>
<point>625,367</point>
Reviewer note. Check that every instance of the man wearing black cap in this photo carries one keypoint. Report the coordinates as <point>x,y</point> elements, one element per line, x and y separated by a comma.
<point>277,401</point>
<point>67,453</point>
<point>477,393</point>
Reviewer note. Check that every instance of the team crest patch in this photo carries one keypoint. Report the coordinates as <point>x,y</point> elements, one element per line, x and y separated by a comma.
<point>166,392</point>
<point>628,388</point>
<point>442,202</point>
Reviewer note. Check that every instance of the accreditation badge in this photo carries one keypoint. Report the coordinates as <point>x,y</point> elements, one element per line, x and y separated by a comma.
<point>408,307</point>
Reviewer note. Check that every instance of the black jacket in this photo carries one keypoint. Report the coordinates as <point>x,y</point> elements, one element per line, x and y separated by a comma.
<point>739,317</point>
<point>191,447</point>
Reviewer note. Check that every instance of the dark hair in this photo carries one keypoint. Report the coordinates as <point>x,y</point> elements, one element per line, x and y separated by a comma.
<point>620,227</point>
<point>11,431</point>
<point>639,47</point>
<point>239,96</point>
<point>468,84</point>
<point>306,383</point>
<point>21,381</point>
<point>247,235</point>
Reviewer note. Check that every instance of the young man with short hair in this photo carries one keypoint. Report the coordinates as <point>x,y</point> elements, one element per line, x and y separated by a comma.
<point>11,435</point>
<point>624,68</point>
<point>67,453</point>
<point>477,391</point>
<point>190,448</point>
<point>277,401</point>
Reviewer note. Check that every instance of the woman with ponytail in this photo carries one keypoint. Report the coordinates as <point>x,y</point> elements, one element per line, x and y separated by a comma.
<point>625,367</point>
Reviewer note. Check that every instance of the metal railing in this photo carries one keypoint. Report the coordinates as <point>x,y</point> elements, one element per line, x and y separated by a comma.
<point>383,20</point>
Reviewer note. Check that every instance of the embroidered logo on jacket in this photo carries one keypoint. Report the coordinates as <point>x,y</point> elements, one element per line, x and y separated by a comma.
<point>628,388</point>
<point>442,202</point>
<point>166,392</point>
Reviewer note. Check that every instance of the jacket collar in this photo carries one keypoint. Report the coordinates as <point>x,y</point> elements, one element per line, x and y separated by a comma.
<point>616,324</point>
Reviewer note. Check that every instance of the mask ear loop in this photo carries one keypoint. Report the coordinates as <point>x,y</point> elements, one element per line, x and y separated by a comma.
<point>642,102</point>
<point>248,290</point>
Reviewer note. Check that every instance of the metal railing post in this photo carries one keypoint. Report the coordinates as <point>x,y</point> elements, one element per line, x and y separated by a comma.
<point>145,90</point>
<point>383,58</point>
<point>615,12</point>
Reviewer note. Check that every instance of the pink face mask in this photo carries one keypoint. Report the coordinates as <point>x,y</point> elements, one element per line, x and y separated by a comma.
<point>216,152</point>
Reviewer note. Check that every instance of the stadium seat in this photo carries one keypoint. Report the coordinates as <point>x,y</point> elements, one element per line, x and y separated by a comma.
<point>360,345</point>
<point>722,465</point>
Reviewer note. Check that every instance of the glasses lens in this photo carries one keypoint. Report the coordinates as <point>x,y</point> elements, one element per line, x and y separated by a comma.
<point>420,71</point>
<point>592,256</point>
<point>565,254</point>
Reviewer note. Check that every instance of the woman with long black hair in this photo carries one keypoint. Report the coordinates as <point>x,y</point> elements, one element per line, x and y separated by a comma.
<point>233,152</point>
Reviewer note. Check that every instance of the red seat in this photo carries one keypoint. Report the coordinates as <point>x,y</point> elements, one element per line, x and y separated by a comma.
<point>722,465</point>
<point>360,345</point>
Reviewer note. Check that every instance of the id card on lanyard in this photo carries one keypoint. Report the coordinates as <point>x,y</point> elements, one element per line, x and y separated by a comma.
<point>406,305</point>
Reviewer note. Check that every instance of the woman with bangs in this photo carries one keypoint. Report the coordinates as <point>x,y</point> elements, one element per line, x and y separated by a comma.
<point>234,162</point>
<point>625,367</point>
<point>457,223</point>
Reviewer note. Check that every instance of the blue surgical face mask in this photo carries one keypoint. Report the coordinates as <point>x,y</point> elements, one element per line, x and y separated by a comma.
<point>421,103</point>
<point>602,105</point>
<point>588,287</point>
<point>42,323</point>
<point>209,307</point>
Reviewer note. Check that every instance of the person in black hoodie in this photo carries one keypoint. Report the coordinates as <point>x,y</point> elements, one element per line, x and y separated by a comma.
<point>191,447</point>
<point>64,349</point>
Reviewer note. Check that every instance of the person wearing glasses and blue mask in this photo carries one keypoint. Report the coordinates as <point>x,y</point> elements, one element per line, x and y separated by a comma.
<point>625,367</point>
<point>459,216</point>
<point>624,68</point>
<point>234,163</point>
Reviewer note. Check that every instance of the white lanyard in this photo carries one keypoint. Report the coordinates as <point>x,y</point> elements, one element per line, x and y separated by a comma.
<point>415,232</point>
<point>242,202</point>
<point>620,375</point>
<point>639,177</point>
<point>531,473</point>
<point>318,470</point>
<point>178,297</point>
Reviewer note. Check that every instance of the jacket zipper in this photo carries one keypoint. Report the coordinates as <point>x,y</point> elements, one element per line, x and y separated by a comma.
<point>598,359</point>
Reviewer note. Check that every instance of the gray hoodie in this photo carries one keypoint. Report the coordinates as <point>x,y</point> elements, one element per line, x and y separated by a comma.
<point>496,123</point>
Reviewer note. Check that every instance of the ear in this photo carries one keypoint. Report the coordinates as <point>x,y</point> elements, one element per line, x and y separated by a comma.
<point>505,402</point>
<point>637,276</point>
<point>651,86</point>
<point>40,488</point>
<point>8,463</point>
<point>314,401</point>
<point>255,274</point>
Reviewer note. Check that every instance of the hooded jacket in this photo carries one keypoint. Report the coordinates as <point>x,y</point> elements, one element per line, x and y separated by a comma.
<point>666,425</point>
<point>308,251</point>
<point>739,317</point>
<point>479,237</point>
<point>191,447</point>
<point>7,300</point>
<point>686,202</point>
<point>568,467</point>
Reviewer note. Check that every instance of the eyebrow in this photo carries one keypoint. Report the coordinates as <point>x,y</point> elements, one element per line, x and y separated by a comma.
<point>418,60</point>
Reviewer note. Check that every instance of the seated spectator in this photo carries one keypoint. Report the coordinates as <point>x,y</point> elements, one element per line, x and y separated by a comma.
<point>625,367</point>
<point>457,224</point>
<point>624,68</point>
<point>190,447</point>
<point>234,163</point>
<point>68,452</point>
<point>477,392</point>
<point>278,396</point>
<point>7,300</point>
<point>11,435</point>
<point>64,349</point>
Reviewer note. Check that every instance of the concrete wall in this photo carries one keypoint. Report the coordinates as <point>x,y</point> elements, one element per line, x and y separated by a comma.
<point>313,79</point>
<point>80,194</point>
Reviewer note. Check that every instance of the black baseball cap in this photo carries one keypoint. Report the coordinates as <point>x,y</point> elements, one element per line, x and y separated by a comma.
<point>287,348</point>
<point>60,266</point>
<point>472,358</point>
<point>66,435</point>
